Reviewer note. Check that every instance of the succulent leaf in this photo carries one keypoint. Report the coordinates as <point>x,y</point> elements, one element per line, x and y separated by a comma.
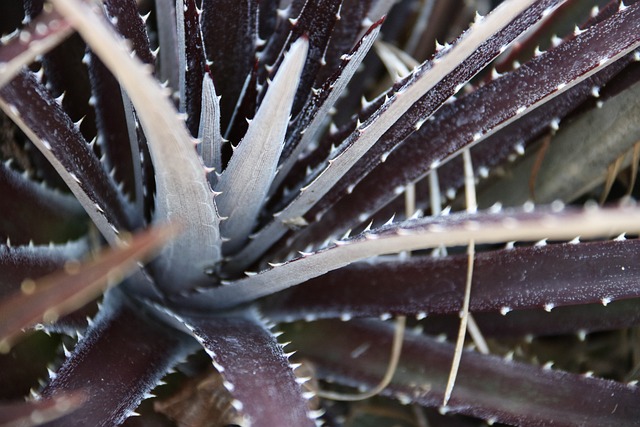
<point>187,200</point>
<point>210,147</point>
<point>255,369</point>
<point>124,15</point>
<point>244,183</point>
<point>509,279</point>
<point>40,117</point>
<point>488,387</point>
<point>431,232</point>
<point>114,389</point>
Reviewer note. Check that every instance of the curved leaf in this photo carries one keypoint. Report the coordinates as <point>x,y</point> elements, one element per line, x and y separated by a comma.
<point>186,200</point>
<point>28,103</point>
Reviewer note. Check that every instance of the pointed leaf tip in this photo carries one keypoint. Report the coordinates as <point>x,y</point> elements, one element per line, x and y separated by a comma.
<point>246,180</point>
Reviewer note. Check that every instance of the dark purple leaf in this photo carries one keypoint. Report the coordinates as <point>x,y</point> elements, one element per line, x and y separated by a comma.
<point>245,110</point>
<point>122,357</point>
<point>316,21</point>
<point>194,65</point>
<point>277,42</point>
<point>625,79</point>
<point>62,143</point>
<point>352,23</point>
<point>268,17</point>
<point>547,276</point>
<point>125,17</point>
<point>561,22</point>
<point>113,132</point>
<point>66,74</point>
<point>488,387</point>
<point>255,368</point>
<point>571,319</point>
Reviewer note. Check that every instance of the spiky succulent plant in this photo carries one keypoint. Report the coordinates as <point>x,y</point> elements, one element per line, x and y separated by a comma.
<point>239,133</point>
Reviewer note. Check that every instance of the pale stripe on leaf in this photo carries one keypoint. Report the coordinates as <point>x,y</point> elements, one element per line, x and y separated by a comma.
<point>426,233</point>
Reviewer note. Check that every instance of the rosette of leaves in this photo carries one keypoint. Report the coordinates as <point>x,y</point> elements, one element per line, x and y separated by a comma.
<point>276,138</point>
